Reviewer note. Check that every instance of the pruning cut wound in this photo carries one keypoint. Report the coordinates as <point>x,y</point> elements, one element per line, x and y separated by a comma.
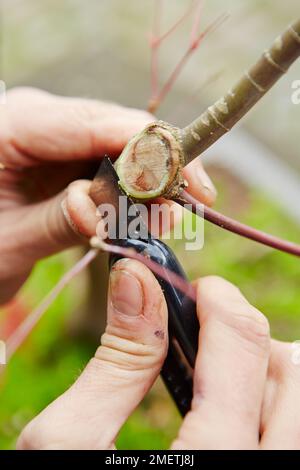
<point>151,163</point>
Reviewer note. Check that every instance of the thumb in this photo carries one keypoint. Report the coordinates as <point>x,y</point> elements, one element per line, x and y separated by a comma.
<point>90,414</point>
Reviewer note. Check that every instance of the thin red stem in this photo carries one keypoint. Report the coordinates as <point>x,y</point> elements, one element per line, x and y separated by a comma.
<point>196,23</point>
<point>179,22</point>
<point>237,227</point>
<point>25,328</point>
<point>154,44</point>
<point>164,273</point>
<point>211,28</point>
<point>193,46</point>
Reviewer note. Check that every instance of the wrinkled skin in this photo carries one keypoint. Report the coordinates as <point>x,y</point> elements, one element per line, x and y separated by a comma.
<point>245,385</point>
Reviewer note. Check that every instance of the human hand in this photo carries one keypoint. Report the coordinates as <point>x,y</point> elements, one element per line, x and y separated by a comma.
<point>245,385</point>
<point>46,142</point>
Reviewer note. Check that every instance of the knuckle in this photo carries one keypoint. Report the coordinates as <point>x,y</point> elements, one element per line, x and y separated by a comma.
<point>75,185</point>
<point>249,324</point>
<point>214,293</point>
<point>130,355</point>
<point>211,284</point>
<point>226,304</point>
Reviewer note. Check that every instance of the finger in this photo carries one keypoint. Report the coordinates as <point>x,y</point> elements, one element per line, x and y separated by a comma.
<point>230,371</point>
<point>47,227</point>
<point>79,209</point>
<point>281,410</point>
<point>64,129</point>
<point>133,347</point>
<point>199,183</point>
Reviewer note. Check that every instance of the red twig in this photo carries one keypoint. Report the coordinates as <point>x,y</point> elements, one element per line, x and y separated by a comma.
<point>191,49</point>
<point>25,328</point>
<point>195,42</point>
<point>237,227</point>
<point>156,40</point>
<point>165,274</point>
<point>196,23</point>
<point>154,45</point>
<point>179,22</point>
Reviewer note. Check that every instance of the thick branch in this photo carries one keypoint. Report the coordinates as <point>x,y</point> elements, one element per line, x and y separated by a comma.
<point>226,112</point>
<point>151,163</point>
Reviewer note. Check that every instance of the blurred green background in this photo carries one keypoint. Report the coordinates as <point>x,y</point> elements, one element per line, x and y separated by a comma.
<point>74,48</point>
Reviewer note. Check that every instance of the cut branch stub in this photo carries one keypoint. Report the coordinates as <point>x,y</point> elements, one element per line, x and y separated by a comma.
<point>151,163</point>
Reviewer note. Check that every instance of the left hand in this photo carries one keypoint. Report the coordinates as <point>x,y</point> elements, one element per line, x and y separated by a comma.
<point>46,142</point>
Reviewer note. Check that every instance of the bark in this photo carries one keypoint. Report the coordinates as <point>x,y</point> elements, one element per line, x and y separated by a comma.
<point>218,119</point>
<point>150,165</point>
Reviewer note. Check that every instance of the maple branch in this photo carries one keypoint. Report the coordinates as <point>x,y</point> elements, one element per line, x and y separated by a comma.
<point>156,40</point>
<point>193,46</point>
<point>227,111</point>
<point>179,22</point>
<point>151,164</point>
<point>196,23</point>
<point>154,45</point>
<point>180,65</point>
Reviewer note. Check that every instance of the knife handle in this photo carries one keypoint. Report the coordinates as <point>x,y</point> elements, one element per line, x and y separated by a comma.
<point>183,322</point>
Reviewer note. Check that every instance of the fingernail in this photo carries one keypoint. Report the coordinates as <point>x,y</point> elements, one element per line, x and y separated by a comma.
<point>126,293</point>
<point>205,180</point>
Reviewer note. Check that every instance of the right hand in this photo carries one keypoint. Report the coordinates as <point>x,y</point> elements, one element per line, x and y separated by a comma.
<point>245,386</point>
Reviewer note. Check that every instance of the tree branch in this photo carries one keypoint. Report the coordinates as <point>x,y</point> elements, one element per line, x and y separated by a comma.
<point>227,111</point>
<point>158,162</point>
